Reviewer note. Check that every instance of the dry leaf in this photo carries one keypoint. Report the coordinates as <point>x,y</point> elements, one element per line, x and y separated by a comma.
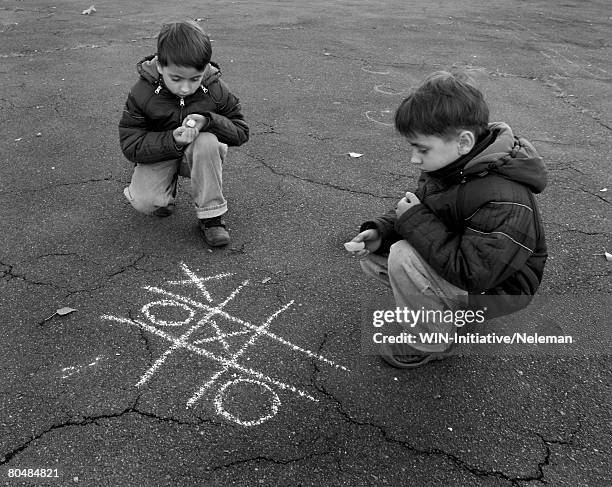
<point>354,154</point>
<point>608,256</point>
<point>265,279</point>
<point>64,311</point>
<point>89,10</point>
<point>603,190</point>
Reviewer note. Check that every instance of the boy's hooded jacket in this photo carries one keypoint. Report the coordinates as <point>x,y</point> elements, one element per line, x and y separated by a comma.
<point>152,112</point>
<point>478,224</point>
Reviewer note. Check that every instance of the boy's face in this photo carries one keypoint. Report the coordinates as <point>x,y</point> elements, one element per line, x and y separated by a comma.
<point>180,80</point>
<point>431,152</point>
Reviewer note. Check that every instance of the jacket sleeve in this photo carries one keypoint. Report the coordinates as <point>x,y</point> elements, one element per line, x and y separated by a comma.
<point>138,143</point>
<point>385,224</point>
<point>227,122</point>
<point>497,241</point>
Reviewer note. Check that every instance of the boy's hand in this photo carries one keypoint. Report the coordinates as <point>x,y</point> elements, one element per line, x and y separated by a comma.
<point>405,203</point>
<point>185,135</point>
<point>198,121</point>
<point>371,239</point>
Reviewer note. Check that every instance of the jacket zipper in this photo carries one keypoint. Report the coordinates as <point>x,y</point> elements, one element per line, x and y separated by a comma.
<point>181,106</point>
<point>460,198</point>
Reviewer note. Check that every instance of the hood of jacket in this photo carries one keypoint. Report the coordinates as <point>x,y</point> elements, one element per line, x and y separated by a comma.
<point>147,70</point>
<point>511,157</point>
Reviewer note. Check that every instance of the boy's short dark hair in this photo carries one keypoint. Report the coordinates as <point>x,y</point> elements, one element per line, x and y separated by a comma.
<point>183,44</point>
<point>443,105</point>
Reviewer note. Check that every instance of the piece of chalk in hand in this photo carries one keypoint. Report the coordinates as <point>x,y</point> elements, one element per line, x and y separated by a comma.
<point>191,123</point>
<point>354,246</point>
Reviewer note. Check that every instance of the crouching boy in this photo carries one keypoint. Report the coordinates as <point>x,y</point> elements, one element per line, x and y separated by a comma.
<point>470,236</point>
<point>179,119</point>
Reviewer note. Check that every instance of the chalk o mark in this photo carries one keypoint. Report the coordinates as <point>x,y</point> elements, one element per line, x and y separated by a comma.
<point>371,113</point>
<point>371,71</point>
<point>167,303</point>
<point>275,404</point>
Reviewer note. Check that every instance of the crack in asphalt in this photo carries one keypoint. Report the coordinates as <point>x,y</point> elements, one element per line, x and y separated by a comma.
<point>7,274</point>
<point>56,185</point>
<point>133,265</point>
<point>143,336</point>
<point>262,458</point>
<point>269,129</point>
<point>36,52</point>
<point>479,472</point>
<point>87,420</point>
<point>276,172</point>
<point>596,195</point>
<point>566,229</point>
<point>571,101</point>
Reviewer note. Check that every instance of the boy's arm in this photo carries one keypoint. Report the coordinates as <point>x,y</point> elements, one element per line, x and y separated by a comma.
<point>385,225</point>
<point>138,143</point>
<point>497,242</point>
<point>227,122</point>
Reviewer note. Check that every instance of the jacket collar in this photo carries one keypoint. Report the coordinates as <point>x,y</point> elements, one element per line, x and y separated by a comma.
<point>147,69</point>
<point>454,172</point>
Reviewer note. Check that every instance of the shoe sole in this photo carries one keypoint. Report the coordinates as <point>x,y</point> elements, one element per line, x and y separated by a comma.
<point>216,244</point>
<point>426,358</point>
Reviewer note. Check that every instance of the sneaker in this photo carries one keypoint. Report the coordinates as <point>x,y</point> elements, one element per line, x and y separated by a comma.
<point>164,211</point>
<point>214,232</point>
<point>407,357</point>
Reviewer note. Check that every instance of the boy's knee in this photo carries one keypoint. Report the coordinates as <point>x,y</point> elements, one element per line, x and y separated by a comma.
<point>140,203</point>
<point>206,140</point>
<point>208,146</point>
<point>401,254</point>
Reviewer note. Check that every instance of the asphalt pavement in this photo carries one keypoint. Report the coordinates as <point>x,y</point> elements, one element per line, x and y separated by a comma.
<point>134,355</point>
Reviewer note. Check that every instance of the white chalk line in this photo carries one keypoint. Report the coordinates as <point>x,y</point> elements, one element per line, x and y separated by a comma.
<point>219,335</point>
<point>167,302</point>
<point>223,335</point>
<point>183,339</point>
<point>198,281</point>
<point>363,68</point>
<point>256,334</point>
<point>367,114</point>
<point>178,343</point>
<point>379,89</point>
<point>73,369</point>
<point>247,325</point>
<point>218,402</point>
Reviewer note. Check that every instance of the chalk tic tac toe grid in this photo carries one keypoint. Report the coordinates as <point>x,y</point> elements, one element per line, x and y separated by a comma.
<point>205,318</point>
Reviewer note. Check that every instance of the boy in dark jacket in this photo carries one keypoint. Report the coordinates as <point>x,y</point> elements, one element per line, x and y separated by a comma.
<point>470,237</point>
<point>179,119</point>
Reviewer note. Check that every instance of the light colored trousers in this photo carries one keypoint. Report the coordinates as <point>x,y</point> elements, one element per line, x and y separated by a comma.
<point>416,285</point>
<point>154,185</point>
